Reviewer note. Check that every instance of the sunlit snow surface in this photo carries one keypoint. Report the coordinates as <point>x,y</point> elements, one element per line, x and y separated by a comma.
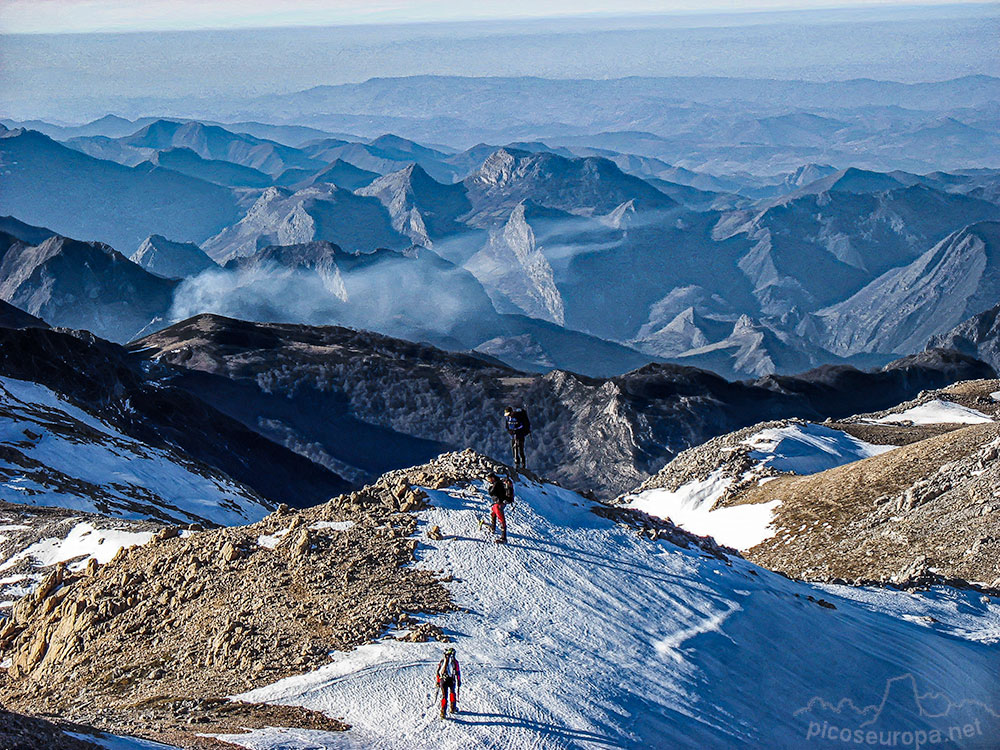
<point>690,507</point>
<point>805,448</point>
<point>582,634</point>
<point>938,412</point>
<point>809,448</point>
<point>84,540</point>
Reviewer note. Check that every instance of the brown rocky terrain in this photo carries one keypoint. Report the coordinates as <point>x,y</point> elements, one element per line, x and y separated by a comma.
<point>22,526</point>
<point>30,733</point>
<point>150,643</point>
<point>928,510</point>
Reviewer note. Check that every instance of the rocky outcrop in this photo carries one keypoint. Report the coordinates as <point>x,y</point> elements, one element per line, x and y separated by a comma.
<point>868,521</point>
<point>172,260</point>
<point>153,640</point>
<point>600,434</point>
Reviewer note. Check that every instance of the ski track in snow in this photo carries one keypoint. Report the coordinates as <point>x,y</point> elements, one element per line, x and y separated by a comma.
<point>581,634</point>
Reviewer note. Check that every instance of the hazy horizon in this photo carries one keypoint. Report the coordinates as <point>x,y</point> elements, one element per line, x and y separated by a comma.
<point>78,77</point>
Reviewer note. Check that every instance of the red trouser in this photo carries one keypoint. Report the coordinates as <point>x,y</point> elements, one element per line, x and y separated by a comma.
<point>448,690</point>
<point>496,512</point>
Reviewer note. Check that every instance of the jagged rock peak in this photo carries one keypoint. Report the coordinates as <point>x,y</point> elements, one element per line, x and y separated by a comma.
<point>171,259</point>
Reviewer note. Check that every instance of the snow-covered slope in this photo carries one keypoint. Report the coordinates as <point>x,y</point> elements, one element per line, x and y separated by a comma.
<point>55,454</point>
<point>745,458</point>
<point>937,411</point>
<point>583,634</point>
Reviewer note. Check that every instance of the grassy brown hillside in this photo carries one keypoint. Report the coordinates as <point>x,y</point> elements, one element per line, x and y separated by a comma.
<point>931,505</point>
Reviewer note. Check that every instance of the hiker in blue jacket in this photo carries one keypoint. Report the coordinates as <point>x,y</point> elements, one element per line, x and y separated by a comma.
<point>519,427</point>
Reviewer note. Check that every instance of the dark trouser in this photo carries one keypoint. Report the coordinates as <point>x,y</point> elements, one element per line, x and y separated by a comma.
<point>517,446</point>
<point>448,689</point>
<point>496,512</point>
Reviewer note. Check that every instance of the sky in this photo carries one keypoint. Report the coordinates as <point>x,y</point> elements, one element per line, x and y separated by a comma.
<point>81,16</point>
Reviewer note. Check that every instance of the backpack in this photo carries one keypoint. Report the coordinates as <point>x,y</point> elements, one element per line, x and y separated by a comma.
<point>522,416</point>
<point>450,667</point>
<point>508,487</point>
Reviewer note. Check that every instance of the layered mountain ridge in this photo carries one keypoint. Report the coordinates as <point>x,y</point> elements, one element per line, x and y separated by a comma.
<point>580,243</point>
<point>588,433</point>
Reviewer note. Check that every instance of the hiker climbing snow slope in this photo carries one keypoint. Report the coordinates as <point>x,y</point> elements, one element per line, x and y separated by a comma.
<point>449,681</point>
<point>501,492</point>
<point>589,630</point>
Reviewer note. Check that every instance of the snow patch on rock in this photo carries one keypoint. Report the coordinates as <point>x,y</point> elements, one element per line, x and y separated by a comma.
<point>937,411</point>
<point>809,448</point>
<point>691,508</point>
<point>83,541</point>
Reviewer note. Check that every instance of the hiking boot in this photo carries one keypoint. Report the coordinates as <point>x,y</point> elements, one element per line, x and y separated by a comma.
<point>454,708</point>
<point>443,710</point>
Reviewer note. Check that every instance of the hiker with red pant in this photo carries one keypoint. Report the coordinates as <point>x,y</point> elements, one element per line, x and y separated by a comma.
<point>502,494</point>
<point>449,681</point>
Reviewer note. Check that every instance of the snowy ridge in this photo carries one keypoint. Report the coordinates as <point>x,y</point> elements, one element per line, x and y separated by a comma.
<point>58,455</point>
<point>581,634</point>
<point>760,454</point>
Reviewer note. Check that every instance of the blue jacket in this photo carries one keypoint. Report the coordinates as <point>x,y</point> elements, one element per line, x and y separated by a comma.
<point>516,424</point>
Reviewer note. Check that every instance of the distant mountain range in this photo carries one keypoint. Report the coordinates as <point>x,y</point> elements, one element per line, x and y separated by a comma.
<point>720,125</point>
<point>538,256</point>
<point>48,184</point>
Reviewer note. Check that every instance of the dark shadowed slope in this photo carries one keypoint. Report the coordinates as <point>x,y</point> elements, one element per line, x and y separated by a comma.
<point>301,385</point>
<point>105,379</point>
<point>51,185</point>
<point>15,317</point>
<point>83,285</point>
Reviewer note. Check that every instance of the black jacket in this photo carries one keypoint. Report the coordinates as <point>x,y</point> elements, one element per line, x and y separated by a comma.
<point>500,491</point>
